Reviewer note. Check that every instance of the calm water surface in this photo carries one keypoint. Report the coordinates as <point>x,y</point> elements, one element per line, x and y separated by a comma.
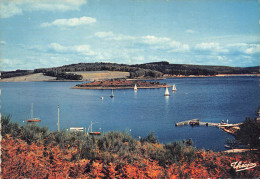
<point>209,99</point>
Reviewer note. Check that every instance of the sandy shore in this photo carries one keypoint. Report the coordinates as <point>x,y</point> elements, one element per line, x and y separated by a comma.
<point>31,77</point>
<point>87,76</point>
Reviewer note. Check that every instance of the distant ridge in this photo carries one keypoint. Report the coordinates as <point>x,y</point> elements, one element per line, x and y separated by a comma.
<point>148,70</point>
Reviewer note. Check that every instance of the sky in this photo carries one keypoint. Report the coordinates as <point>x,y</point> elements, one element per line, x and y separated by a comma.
<point>50,33</point>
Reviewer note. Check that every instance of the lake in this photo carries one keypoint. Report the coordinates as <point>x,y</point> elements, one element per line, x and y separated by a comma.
<point>211,99</point>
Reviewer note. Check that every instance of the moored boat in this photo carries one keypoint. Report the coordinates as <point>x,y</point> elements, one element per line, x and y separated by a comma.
<point>32,119</point>
<point>174,87</point>
<point>77,129</point>
<point>166,92</point>
<point>135,88</point>
<point>94,133</point>
<point>112,94</point>
<point>91,132</point>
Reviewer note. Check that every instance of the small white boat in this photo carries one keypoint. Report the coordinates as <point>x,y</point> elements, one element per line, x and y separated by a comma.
<point>102,98</point>
<point>76,129</point>
<point>166,92</point>
<point>174,87</point>
<point>135,88</point>
<point>91,132</point>
<point>112,95</point>
<point>33,119</point>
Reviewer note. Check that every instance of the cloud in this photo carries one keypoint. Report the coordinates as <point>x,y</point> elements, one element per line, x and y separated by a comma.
<point>164,43</point>
<point>111,36</point>
<point>139,59</point>
<point>9,8</point>
<point>104,34</point>
<point>77,49</point>
<point>249,49</point>
<point>211,47</point>
<point>230,49</point>
<point>2,42</point>
<point>9,64</point>
<point>57,47</point>
<point>150,39</point>
<point>70,22</point>
<point>221,58</point>
<point>190,31</point>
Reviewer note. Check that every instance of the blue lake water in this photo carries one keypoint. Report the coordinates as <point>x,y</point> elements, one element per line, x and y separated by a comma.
<point>209,99</point>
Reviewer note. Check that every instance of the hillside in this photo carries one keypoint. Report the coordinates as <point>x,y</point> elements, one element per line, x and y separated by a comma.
<point>148,70</point>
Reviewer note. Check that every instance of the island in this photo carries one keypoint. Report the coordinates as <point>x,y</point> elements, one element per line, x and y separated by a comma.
<point>120,84</point>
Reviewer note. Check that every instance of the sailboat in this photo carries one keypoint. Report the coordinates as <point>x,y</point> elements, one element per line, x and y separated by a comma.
<point>135,88</point>
<point>112,95</point>
<point>32,118</point>
<point>174,87</point>
<point>166,92</point>
<point>91,132</point>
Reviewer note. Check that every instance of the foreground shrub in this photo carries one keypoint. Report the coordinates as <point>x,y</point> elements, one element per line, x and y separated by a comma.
<point>35,152</point>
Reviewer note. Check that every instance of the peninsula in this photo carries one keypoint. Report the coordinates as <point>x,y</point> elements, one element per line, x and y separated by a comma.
<point>120,84</point>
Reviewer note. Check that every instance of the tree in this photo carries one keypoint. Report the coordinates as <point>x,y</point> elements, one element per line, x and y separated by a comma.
<point>150,138</point>
<point>249,133</point>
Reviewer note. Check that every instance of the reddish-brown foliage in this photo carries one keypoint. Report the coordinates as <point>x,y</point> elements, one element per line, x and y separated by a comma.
<point>20,160</point>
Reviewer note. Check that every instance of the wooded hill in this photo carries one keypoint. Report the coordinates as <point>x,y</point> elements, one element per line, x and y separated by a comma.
<point>153,70</point>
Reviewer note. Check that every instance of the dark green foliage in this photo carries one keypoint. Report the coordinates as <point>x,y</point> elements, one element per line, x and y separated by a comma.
<point>63,76</point>
<point>8,127</point>
<point>150,138</point>
<point>30,132</point>
<point>10,74</point>
<point>249,134</point>
<point>109,145</point>
<point>33,133</point>
<point>179,150</point>
<point>232,143</point>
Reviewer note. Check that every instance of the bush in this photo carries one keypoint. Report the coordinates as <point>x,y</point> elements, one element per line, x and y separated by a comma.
<point>150,138</point>
<point>8,127</point>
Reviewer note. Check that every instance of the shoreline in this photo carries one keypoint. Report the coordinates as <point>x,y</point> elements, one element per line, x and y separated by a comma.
<point>50,79</point>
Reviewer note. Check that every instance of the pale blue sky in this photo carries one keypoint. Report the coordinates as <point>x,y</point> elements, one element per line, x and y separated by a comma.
<point>47,33</point>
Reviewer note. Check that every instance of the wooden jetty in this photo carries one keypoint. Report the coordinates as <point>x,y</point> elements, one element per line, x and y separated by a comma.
<point>194,122</point>
<point>229,128</point>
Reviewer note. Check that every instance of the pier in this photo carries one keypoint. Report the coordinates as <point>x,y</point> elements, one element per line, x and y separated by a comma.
<point>229,128</point>
<point>194,122</point>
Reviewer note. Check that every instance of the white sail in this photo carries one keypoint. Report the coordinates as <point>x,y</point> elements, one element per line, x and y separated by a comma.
<point>166,92</point>
<point>135,88</point>
<point>112,95</point>
<point>174,87</point>
<point>33,119</point>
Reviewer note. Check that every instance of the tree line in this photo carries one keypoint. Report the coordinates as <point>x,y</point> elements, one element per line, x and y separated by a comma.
<point>154,70</point>
<point>149,70</point>
<point>10,74</point>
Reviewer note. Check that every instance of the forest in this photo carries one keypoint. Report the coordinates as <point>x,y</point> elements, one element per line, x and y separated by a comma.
<point>148,70</point>
<point>31,151</point>
<point>154,70</point>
